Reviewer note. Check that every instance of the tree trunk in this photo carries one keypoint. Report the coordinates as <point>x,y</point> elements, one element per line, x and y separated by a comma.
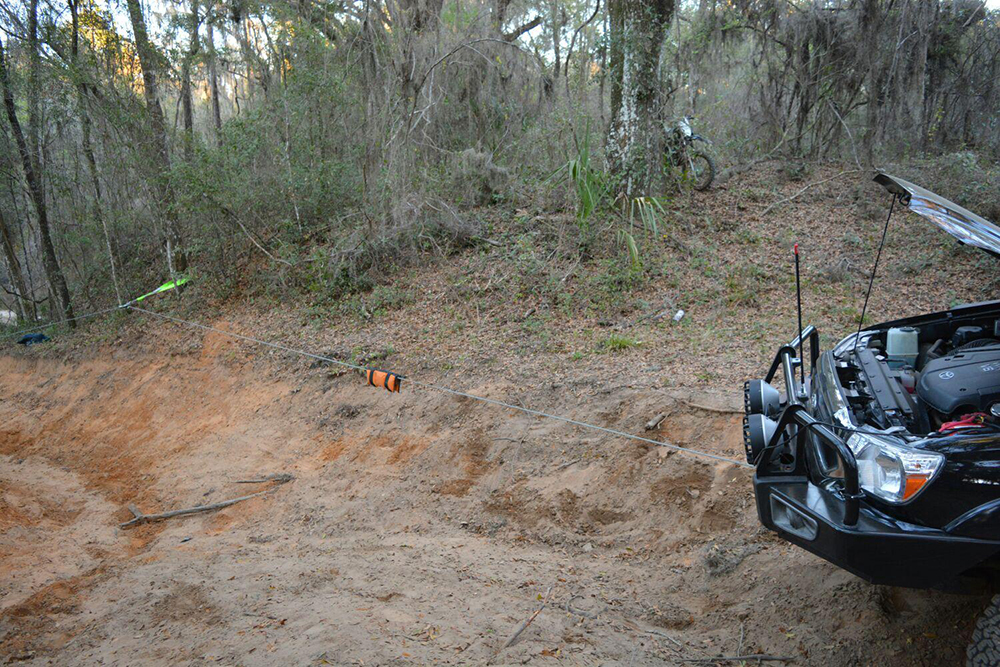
<point>913,84</point>
<point>176,257</point>
<point>871,22</point>
<point>87,144</point>
<point>558,17</point>
<point>57,281</point>
<point>186,102</point>
<point>636,136</point>
<point>213,84</point>
<point>34,91</point>
<point>499,15</point>
<point>604,71</point>
<point>25,304</point>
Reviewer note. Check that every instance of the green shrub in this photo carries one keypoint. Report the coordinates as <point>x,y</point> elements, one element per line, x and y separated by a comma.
<point>619,343</point>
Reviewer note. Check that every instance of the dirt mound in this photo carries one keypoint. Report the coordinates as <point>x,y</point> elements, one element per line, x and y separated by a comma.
<point>419,527</point>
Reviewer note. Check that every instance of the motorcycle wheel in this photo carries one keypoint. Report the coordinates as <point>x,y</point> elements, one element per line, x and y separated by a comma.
<point>701,170</point>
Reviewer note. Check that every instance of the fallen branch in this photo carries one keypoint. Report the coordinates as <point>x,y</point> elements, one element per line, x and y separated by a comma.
<point>737,169</point>
<point>655,316</point>
<point>711,408</point>
<point>524,626</point>
<point>811,185</point>
<point>658,633</point>
<point>280,478</point>
<point>566,464</point>
<point>487,241</point>
<point>140,518</point>
<point>756,657</point>
<point>655,421</point>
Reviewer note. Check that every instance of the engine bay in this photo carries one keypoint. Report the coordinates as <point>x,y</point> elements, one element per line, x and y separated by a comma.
<point>925,379</point>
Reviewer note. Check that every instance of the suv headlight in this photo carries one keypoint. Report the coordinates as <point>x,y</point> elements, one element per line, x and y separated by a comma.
<point>891,471</point>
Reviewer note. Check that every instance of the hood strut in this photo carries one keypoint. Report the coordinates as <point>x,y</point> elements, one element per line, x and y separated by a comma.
<point>871,281</point>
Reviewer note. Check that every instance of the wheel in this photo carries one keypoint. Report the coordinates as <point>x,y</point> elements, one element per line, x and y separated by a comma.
<point>984,649</point>
<point>702,170</point>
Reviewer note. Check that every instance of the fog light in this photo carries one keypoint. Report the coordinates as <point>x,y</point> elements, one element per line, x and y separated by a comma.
<point>757,432</point>
<point>760,398</point>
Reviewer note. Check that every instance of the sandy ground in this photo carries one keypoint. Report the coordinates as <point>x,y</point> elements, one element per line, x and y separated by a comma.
<point>422,528</point>
<point>419,529</point>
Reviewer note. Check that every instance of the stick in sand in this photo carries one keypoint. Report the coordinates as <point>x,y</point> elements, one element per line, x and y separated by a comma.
<point>141,518</point>
<point>524,626</point>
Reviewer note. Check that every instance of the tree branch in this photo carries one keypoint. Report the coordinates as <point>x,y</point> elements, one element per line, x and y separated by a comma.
<point>517,32</point>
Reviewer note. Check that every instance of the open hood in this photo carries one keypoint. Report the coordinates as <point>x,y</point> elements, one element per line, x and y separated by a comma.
<point>964,225</point>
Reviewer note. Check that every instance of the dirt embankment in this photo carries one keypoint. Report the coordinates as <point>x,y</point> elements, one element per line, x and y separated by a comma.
<point>420,528</point>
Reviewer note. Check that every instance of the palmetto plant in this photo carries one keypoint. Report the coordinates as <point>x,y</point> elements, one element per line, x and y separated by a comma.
<point>644,213</point>
<point>592,187</point>
<point>590,183</point>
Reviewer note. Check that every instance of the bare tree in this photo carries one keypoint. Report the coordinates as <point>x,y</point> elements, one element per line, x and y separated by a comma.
<point>148,62</point>
<point>213,81</point>
<point>25,303</point>
<point>186,102</point>
<point>239,13</point>
<point>57,280</point>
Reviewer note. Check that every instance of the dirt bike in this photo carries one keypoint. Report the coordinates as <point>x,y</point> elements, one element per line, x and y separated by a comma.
<point>696,166</point>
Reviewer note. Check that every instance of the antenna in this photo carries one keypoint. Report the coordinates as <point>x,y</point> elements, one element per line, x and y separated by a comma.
<point>798,298</point>
<point>871,282</point>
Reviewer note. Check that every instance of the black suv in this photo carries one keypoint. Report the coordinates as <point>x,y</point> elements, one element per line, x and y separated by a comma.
<point>885,458</point>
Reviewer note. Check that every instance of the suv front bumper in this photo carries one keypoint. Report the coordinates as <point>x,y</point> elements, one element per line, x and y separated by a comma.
<point>876,549</point>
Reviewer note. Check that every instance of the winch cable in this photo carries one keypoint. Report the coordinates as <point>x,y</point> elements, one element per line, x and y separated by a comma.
<point>166,287</point>
<point>55,324</point>
<point>426,385</point>
<point>447,390</point>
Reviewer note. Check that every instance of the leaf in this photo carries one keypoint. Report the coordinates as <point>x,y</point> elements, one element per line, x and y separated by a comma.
<point>627,240</point>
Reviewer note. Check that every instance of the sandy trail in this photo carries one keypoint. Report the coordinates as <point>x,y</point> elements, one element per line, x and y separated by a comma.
<point>420,529</point>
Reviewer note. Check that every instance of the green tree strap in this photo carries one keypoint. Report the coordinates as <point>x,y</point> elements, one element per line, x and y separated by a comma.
<point>165,287</point>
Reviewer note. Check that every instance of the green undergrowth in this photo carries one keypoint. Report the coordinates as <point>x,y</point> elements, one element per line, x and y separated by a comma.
<point>544,283</point>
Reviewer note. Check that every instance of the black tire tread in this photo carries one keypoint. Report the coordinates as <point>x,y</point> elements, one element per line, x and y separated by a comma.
<point>984,648</point>
<point>711,170</point>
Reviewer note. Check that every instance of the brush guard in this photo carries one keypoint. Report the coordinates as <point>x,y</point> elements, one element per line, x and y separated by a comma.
<point>784,454</point>
<point>831,520</point>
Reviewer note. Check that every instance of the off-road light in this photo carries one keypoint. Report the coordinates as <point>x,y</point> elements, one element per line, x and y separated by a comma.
<point>760,398</point>
<point>757,432</point>
<point>892,471</point>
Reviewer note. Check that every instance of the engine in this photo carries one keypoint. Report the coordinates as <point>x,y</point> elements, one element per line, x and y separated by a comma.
<point>921,379</point>
<point>965,381</point>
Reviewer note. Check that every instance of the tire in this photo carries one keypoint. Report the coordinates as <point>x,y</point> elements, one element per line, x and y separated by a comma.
<point>702,170</point>
<point>984,648</point>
